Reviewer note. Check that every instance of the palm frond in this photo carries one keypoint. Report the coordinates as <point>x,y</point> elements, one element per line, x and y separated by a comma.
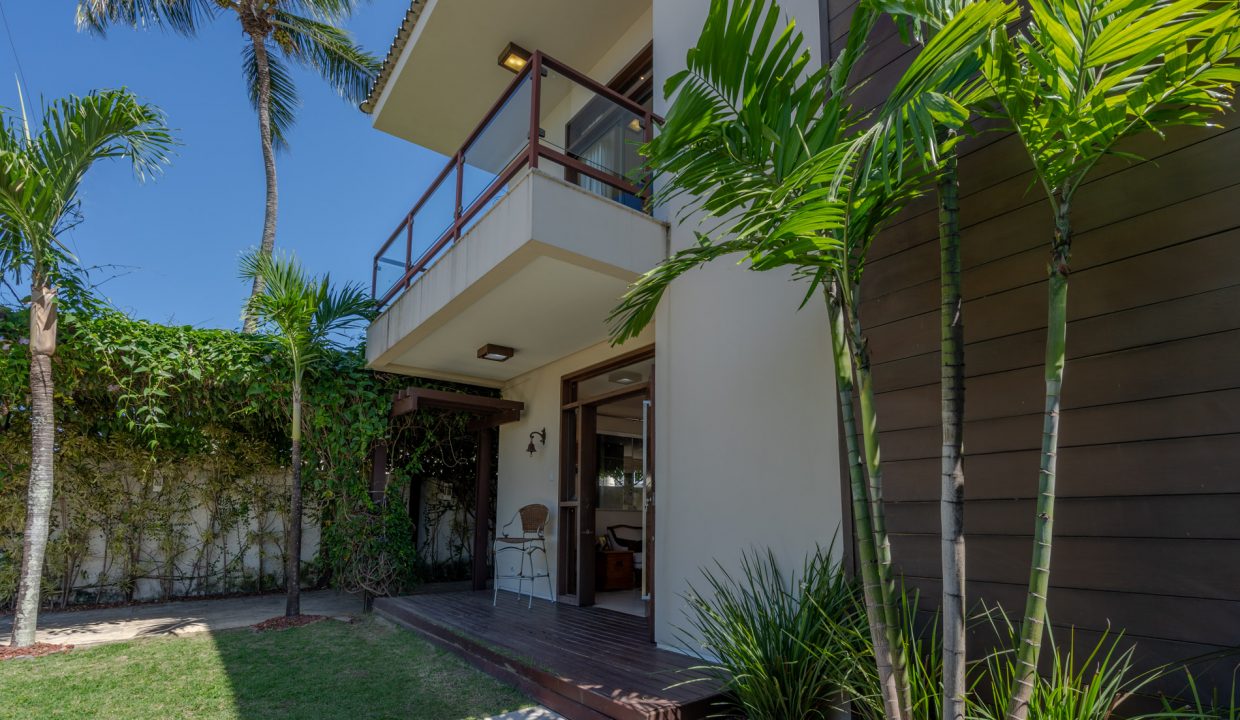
<point>305,312</point>
<point>40,177</point>
<point>284,98</point>
<point>180,16</point>
<point>1082,76</point>
<point>331,51</point>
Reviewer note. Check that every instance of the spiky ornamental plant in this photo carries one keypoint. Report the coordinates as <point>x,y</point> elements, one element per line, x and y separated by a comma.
<point>760,143</point>
<point>308,317</point>
<point>40,176</point>
<point>1079,78</point>
<point>305,32</point>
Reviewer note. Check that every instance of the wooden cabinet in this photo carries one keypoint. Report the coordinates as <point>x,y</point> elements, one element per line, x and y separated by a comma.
<point>613,570</point>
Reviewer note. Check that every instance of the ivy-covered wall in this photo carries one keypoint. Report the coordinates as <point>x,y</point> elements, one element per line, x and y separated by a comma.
<point>172,464</point>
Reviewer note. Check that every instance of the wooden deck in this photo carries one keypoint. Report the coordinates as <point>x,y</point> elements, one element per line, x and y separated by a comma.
<point>584,663</point>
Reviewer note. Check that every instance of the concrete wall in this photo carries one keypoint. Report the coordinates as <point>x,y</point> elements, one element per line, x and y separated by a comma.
<point>746,431</point>
<point>524,479</point>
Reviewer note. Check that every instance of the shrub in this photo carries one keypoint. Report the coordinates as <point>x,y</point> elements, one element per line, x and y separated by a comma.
<point>780,645</point>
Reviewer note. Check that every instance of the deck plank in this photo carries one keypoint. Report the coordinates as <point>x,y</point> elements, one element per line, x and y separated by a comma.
<point>592,662</point>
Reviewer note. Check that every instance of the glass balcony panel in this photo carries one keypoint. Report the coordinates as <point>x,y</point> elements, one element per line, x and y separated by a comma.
<point>596,131</point>
<point>434,217</point>
<point>504,137</point>
<point>390,266</point>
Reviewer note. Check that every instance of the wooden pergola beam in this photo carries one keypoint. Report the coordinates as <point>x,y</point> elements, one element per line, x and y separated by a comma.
<point>489,413</point>
<point>413,399</point>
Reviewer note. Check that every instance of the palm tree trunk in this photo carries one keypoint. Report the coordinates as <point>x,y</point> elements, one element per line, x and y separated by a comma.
<point>1033,624</point>
<point>877,515</point>
<point>269,165</point>
<point>951,499</point>
<point>293,572</point>
<point>871,587</point>
<point>43,325</point>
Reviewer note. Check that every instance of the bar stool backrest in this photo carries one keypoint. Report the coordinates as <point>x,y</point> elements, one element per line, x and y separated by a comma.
<point>533,518</point>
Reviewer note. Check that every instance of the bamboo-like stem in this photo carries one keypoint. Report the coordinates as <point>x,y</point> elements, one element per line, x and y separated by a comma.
<point>951,498</point>
<point>859,350</point>
<point>1034,621</point>
<point>871,586</point>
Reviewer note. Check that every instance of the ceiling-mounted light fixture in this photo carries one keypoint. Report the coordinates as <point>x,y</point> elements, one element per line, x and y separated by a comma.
<point>542,436</point>
<point>514,57</point>
<point>498,353</point>
<point>625,377</point>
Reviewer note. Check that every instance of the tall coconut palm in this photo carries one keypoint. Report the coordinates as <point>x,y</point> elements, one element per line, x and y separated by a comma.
<point>40,176</point>
<point>309,317</point>
<point>304,32</point>
<point>1079,78</point>
<point>760,143</point>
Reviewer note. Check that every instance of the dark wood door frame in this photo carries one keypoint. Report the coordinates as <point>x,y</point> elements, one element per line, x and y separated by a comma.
<point>578,486</point>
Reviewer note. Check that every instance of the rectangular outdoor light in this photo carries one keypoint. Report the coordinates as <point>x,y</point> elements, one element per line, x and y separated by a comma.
<point>514,57</point>
<point>498,353</point>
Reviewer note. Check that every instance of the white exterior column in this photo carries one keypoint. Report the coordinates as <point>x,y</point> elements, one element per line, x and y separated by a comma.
<point>747,451</point>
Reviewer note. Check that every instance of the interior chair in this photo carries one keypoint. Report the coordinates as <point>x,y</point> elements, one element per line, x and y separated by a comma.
<point>631,538</point>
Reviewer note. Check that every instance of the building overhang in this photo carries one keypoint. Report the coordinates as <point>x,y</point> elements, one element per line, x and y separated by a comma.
<point>538,273</point>
<point>443,71</point>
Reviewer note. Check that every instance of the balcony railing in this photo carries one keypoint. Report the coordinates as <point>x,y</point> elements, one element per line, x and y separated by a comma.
<point>550,114</point>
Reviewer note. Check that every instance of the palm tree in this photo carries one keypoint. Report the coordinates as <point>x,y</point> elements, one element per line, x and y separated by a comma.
<point>921,19</point>
<point>305,32</point>
<point>40,176</point>
<point>309,317</point>
<point>766,148</point>
<point>1080,77</point>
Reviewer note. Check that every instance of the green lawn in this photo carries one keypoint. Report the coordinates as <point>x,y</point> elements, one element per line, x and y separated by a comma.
<point>369,669</point>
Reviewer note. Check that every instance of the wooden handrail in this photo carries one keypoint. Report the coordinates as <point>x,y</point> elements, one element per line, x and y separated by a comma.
<point>534,71</point>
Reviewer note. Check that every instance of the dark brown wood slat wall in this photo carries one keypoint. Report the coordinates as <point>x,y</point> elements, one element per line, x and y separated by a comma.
<point>1148,525</point>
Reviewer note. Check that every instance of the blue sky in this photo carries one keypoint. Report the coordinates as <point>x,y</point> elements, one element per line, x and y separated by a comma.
<point>173,244</point>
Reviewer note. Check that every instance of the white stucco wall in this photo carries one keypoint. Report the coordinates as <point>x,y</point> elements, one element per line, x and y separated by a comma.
<point>524,479</point>
<point>746,425</point>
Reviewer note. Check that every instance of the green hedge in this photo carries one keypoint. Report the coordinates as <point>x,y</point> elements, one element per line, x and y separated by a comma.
<point>172,458</point>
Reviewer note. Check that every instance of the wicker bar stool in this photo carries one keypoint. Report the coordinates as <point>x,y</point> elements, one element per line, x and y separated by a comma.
<point>533,539</point>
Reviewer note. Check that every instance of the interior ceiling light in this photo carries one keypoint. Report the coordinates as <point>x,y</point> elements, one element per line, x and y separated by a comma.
<point>625,377</point>
<point>498,353</point>
<point>514,57</point>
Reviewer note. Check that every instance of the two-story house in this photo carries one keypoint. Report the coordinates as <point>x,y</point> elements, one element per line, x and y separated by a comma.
<point>717,430</point>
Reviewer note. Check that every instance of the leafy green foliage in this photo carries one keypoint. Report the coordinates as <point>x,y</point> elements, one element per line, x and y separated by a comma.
<point>782,646</point>
<point>1083,683</point>
<point>162,427</point>
<point>42,170</point>
<point>1085,74</point>
<point>305,32</point>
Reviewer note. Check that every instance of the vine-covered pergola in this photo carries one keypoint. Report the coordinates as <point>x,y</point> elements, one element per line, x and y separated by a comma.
<point>488,414</point>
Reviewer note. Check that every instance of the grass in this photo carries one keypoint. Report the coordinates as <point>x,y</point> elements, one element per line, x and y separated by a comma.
<point>369,669</point>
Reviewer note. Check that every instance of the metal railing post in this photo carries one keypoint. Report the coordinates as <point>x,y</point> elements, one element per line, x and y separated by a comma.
<point>460,179</point>
<point>536,66</point>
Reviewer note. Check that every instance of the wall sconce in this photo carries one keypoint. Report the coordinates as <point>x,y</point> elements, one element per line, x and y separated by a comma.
<point>542,436</point>
<point>514,57</point>
<point>498,353</point>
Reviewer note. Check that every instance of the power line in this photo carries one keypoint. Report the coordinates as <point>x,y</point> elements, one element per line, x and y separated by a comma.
<point>21,74</point>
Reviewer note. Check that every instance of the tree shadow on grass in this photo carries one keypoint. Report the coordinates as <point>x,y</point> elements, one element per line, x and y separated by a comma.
<point>349,671</point>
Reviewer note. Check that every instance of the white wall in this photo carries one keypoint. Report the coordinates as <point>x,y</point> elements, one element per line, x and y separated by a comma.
<point>746,431</point>
<point>524,479</point>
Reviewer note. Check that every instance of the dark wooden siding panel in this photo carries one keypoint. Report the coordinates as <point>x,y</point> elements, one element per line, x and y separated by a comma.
<point>1147,525</point>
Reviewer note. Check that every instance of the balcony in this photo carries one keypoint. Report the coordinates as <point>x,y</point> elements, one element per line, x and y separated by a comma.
<point>526,237</point>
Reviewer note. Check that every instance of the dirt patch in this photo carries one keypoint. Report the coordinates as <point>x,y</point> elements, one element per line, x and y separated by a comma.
<point>33,651</point>
<point>284,623</point>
